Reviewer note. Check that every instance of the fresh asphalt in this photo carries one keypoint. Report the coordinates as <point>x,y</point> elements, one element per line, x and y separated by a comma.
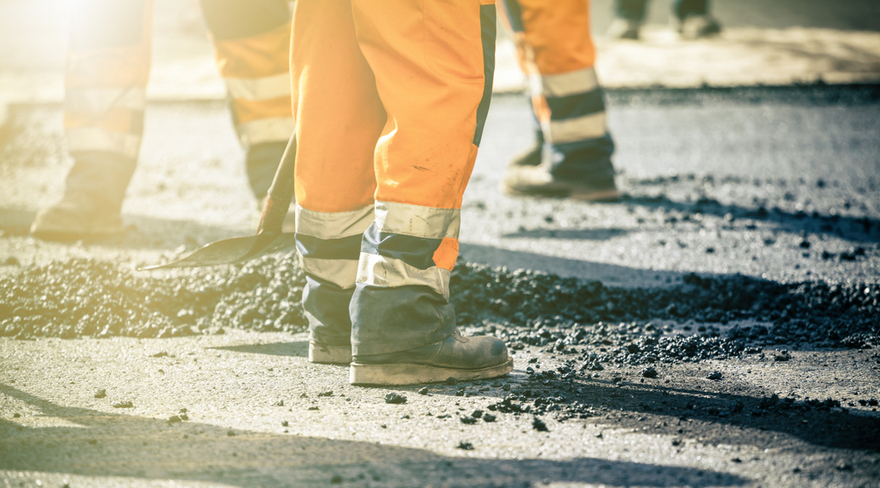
<point>773,183</point>
<point>717,181</point>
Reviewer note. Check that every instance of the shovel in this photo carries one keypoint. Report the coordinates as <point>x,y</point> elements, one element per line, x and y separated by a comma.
<point>269,238</point>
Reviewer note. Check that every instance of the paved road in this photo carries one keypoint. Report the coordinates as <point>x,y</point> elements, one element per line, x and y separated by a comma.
<point>718,182</point>
<point>758,172</point>
<point>778,14</point>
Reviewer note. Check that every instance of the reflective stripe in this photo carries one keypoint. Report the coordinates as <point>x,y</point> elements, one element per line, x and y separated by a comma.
<point>98,139</point>
<point>99,100</point>
<point>417,252</point>
<point>336,228</point>
<point>417,221</point>
<point>565,84</point>
<point>333,225</point>
<point>267,130</point>
<point>340,272</point>
<point>259,88</point>
<point>383,271</point>
<point>577,129</point>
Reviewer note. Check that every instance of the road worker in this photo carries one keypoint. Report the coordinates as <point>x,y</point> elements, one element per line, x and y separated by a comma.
<point>106,75</point>
<point>690,18</point>
<point>571,156</point>
<point>391,98</point>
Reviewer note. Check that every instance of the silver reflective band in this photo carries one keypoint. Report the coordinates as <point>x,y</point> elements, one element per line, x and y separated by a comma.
<point>565,84</point>
<point>98,139</point>
<point>578,129</point>
<point>274,129</point>
<point>333,225</point>
<point>389,272</point>
<point>265,88</point>
<point>418,221</point>
<point>100,100</point>
<point>340,272</point>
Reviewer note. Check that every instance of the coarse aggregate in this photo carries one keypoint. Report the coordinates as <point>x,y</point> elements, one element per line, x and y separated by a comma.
<point>721,316</point>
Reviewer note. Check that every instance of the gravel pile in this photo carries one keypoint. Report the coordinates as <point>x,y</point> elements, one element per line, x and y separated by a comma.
<point>87,298</point>
<point>545,310</point>
<point>81,298</point>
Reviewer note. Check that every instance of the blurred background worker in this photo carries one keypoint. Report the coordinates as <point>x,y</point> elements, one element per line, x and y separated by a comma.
<point>407,86</point>
<point>106,76</point>
<point>690,18</point>
<point>572,152</point>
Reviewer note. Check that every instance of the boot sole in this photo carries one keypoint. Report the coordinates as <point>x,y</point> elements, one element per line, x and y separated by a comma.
<point>399,374</point>
<point>319,353</point>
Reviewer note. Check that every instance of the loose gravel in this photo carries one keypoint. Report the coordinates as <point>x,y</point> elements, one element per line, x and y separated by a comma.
<point>704,317</point>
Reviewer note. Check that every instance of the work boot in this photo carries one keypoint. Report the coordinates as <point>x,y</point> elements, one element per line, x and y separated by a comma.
<point>622,28</point>
<point>529,157</point>
<point>458,357</point>
<point>696,26</point>
<point>327,354</point>
<point>90,207</point>
<point>537,181</point>
<point>261,162</point>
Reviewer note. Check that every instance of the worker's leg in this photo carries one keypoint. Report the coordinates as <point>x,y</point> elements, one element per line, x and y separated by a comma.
<point>339,119</point>
<point>693,19</point>
<point>557,53</point>
<point>108,64</point>
<point>683,8</point>
<point>628,18</point>
<point>433,65</point>
<point>630,9</point>
<point>251,45</point>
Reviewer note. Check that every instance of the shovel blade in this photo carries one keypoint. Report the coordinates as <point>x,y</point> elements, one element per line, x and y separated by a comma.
<point>233,250</point>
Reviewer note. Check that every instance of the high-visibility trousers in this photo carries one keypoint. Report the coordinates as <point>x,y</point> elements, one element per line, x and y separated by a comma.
<point>556,52</point>
<point>108,65</point>
<point>391,98</point>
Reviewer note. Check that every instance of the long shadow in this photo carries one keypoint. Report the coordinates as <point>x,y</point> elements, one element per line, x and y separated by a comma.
<point>861,229</point>
<point>99,444</point>
<point>608,274</point>
<point>140,232</point>
<point>821,425</point>
<point>581,234</point>
<point>298,349</point>
<point>728,412</point>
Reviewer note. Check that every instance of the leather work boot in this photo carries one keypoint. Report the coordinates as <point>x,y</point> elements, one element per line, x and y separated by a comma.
<point>459,357</point>
<point>261,162</point>
<point>529,157</point>
<point>537,181</point>
<point>75,217</point>
<point>92,200</point>
<point>327,354</point>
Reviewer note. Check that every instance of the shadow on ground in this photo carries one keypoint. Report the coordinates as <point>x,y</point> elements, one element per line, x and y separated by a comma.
<point>299,349</point>
<point>738,415</point>
<point>99,444</point>
<point>856,229</point>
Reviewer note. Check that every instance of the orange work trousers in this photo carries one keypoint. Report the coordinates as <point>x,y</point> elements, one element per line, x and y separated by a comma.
<point>108,65</point>
<point>390,102</point>
<point>556,52</point>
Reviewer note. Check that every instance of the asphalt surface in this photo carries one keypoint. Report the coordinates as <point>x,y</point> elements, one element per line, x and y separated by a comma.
<point>721,329</point>
<point>748,173</point>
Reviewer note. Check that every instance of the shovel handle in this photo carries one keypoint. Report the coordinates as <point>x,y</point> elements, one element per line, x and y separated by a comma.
<point>280,193</point>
